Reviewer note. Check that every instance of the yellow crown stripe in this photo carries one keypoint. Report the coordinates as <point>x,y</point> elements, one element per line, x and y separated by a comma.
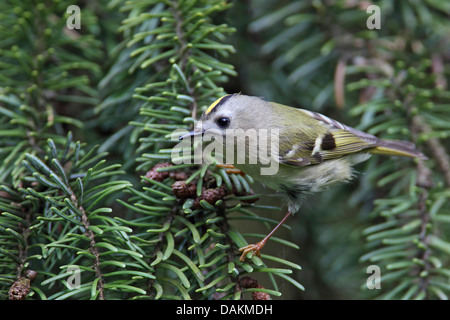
<point>214,104</point>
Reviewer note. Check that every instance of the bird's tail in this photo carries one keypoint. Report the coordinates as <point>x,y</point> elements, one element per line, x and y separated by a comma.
<point>397,148</point>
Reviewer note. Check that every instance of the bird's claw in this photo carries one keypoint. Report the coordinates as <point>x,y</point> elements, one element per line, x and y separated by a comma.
<point>253,248</point>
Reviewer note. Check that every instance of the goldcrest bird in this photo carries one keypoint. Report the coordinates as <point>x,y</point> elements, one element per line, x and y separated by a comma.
<point>313,151</point>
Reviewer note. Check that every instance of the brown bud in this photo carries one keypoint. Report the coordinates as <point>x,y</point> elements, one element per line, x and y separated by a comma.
<point>20,289</point>
<point>259,295</point>
<point>153,174</point>
<point>31,274</point>
<point>211,196</point>
<point>248,282</point>
<point>182,190</point>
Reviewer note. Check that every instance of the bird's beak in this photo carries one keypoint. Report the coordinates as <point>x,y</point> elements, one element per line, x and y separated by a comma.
<point>192,134</point>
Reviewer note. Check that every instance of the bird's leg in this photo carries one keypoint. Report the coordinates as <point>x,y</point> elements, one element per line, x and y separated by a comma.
<point>231,169</point>
<point>256,248</point>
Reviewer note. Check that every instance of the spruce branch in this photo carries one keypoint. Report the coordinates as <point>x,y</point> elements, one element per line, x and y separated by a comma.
<point>231,249</point>
<point>409,223</point>
<point>92,244</point>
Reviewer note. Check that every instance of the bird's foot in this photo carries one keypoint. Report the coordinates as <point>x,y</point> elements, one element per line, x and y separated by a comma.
<point>253,248</point>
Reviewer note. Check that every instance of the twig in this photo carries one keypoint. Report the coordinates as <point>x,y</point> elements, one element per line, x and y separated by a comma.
<point>92,245</point>
<point>425,181</point>
<point>224,227</point>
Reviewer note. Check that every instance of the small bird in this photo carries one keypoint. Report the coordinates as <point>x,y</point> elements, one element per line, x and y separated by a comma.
<point>312,153</point>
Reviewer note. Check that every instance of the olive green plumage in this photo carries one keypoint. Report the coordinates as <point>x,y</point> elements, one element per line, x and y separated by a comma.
<point>313,151</point>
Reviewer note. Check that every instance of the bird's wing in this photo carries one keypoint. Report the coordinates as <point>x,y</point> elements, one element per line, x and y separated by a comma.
<point>335,140</point>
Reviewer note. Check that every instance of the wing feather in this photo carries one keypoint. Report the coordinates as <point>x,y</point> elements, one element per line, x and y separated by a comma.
<point>337,140</point>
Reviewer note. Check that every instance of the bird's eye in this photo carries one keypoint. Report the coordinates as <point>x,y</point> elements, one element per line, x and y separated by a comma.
<point>223,122</point>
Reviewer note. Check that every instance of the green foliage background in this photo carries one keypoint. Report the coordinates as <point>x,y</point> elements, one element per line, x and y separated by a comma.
<point>86,113</point>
